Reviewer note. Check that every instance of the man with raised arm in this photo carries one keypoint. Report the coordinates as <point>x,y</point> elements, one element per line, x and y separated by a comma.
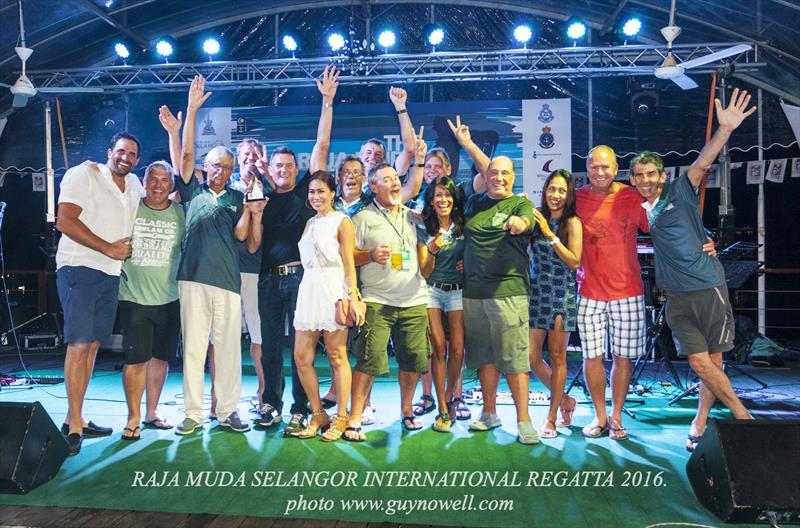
<point>208,276</point>
<point>96,208</point>
<point>698,309</point>
<point>276,230</point>
<point>497,226</point>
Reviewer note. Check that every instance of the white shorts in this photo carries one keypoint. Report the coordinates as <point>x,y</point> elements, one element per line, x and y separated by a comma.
<point>251,322</point>
<point>623,319</point>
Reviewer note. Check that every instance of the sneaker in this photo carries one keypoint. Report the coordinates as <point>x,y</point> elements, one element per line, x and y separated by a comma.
<point>233,423</point>
<point>187,426</point>
<point>486,422</point>
<point>368,415</point>
<point>297,423</point>
<point>268,416</point>
<point>527,434</point>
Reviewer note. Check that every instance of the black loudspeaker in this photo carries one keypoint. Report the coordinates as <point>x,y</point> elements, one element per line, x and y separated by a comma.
<point>32,448</point>
<point>748,471</point>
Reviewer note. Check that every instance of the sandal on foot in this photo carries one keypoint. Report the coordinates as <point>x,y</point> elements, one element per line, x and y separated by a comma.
<point>327,403</point>
<point>319,421</point>
<point>547,432</point>
<point>594,431</point>
<point>442,423</point>
<point>410,424</point>
<point>462,411</point>
<point>354,429</point>
<point>692,441</point>
<point>425,405</point>
<point>566,415</point>
<point>368,415</point>
<point>337,428</point>
<point>617,432</point>
<point>133,433</point>
<point>157,423</point>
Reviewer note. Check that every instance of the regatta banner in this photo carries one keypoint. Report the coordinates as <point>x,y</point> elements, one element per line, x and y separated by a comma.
<point>535,133</point>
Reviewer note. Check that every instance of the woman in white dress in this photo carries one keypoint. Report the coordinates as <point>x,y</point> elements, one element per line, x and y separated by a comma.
<point>329,274</point>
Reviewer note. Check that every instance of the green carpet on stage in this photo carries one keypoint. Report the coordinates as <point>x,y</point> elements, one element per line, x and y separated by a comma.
<point>488,478</point>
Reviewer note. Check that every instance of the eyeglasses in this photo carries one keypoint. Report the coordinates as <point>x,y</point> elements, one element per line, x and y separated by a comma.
<point>220,167</point>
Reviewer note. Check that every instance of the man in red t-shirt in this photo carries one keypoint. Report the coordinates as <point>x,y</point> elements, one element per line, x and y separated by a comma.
<point>610,292</point>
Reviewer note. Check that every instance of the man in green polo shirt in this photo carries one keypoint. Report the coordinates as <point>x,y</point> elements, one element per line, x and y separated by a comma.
<point>149,313</point>
<point>496,291</point>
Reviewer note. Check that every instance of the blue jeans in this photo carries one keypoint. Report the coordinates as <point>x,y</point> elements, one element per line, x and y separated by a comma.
<point>277,298</point>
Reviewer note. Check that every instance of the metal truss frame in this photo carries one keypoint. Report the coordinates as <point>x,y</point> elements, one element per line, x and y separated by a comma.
<point>519,64</point>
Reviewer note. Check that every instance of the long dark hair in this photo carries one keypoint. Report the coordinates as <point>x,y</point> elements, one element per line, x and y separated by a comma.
<point>569,205</point>
<point>326,178</point>
<point>429,214</point>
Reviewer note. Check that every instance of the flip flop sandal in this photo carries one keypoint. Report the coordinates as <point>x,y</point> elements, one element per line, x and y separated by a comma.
<point>422,408</point>
<point>692,442</point>
<point>462,411</point>
<point>133,435</point>
<point>157,423</point>
<point>353,429</point>
<point>547,432</point>
<point>409,424</point>
<point>566,416</point>
<point>594,431</point>
<point>613,430</point>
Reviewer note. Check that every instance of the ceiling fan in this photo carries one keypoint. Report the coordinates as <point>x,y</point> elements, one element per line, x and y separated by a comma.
<point>675,71</point>
<point>23,89</point>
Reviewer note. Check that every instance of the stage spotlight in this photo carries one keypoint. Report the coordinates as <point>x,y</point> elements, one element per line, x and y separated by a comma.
<point>435,36</point>
<point>122,51</point>
<point>387,39</point>
<point>336,41</point>
<point>632,27</point>
<point>164,48</point>
<point>523,34</point>
<point>576,29</point>
<point>290,43</point>
<point>211,47</point>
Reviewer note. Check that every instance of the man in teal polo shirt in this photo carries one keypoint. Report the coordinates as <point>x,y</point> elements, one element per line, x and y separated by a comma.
<point>698,309</point>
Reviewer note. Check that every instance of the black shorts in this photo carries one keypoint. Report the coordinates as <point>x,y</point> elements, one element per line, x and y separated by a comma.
<point>149,331</point>
<point>701,321</point>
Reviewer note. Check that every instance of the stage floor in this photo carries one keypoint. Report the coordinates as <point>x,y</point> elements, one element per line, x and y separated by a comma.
<point>481,479</point>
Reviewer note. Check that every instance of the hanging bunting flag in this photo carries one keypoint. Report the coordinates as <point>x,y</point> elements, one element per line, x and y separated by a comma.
<point>776,170</point>
<point>793,115</point>
<point>796,168</point>
<point>755,172</point>
<point>714,177</point>
<point>670,173</point>
<point>38,181</point>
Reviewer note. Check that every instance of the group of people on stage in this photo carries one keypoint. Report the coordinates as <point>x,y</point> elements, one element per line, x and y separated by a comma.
<point>454,273</point>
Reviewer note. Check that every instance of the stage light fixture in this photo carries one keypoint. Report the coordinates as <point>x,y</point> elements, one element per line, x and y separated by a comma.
<point>211,47</point>
<point>576,29</point>
<point>289,43</point>
<point>632,27</point>
<point>387,39</point>
<point>164,48</point>
<point>435,36</point>
<point>523,34</point>
<point>336,41</point>
<point>122,51</point>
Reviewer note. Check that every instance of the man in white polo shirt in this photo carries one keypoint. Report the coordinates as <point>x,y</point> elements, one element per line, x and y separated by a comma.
<point>97,205</point>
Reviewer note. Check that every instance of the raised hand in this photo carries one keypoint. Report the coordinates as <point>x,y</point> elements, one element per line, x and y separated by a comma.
<point>329,83</point>
<point>421,148</point>
<point>398,96</point>
<point>119,250</point>
<point>262,165</point>
<point>170,123</point>
<point>730,118</point>
<point>460,131</point>
<point>197,93</point>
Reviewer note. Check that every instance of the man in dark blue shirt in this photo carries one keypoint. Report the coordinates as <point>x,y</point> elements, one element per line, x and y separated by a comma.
<point>698,309</point>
